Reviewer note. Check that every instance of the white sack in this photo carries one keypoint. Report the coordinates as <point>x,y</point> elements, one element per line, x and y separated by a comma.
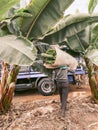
<point>63,58</point>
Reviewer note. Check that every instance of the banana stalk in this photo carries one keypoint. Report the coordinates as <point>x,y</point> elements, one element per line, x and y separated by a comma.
<point>8,97</point>
<point>8,85</point>
<point>13,75</point>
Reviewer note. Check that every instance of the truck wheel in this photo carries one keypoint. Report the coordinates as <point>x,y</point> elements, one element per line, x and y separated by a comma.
<point>46,87</point>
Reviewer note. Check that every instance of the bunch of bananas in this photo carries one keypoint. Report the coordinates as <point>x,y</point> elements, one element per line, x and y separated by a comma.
<point>49,56</point>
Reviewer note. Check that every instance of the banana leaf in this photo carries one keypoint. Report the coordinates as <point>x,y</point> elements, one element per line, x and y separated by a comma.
<point>93,56</point>
<point>5,5</point>
<point>92,5</point>
<point>32,22</point>
<point>94,35</point>
<point>45,14</point>
<point>17,50</point>
<point>79,42</point>
<point>70,26</point>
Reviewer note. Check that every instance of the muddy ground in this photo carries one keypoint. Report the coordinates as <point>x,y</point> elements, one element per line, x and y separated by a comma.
<point>32,111</point>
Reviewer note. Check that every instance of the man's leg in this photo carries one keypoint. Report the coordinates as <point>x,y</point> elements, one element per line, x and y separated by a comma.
<point>65,91</point>
<point>59,85</point>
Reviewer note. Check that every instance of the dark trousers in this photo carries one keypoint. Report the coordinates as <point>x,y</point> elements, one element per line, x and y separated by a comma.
<point>63,89</point>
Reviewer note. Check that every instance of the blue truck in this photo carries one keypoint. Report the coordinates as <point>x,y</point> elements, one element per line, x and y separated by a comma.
<point>28,79</point>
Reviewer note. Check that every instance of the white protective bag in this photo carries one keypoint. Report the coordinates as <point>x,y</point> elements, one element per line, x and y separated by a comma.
<point>62,58</point>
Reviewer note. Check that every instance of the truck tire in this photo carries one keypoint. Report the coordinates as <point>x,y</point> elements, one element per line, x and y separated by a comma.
<point>46,87</point>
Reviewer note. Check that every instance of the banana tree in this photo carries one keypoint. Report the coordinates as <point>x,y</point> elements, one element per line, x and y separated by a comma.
<point>80,33</point>
<point>94,51</point>
<point>19,30</point>
<point>41,20</point>
<point>15,47</point>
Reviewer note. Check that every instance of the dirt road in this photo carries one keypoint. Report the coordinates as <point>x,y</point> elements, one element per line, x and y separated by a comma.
<point>31,110</point>
<point>34,95</point>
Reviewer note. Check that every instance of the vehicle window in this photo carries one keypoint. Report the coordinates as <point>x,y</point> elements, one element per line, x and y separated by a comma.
<point>24,69</point>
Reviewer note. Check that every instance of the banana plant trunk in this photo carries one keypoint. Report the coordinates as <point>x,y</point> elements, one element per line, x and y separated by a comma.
<point>93,78</point>
<point>7,86</point>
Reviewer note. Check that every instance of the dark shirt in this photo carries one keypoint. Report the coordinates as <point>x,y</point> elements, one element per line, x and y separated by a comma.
<point>60,74</point>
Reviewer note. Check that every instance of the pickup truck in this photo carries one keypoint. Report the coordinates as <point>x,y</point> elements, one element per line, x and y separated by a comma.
<point>28,79</point>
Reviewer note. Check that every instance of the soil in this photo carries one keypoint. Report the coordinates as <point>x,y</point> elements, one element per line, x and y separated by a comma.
<point>32,111</point>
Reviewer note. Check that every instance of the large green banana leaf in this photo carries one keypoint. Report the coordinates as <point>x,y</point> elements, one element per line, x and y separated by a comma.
<point>18,51</point>
<point>77,36</point>
<point>93,56</point>
<point>92,5</point>
<point>85,44</point>
<point>45,14</point>
<point>70,26</point>
<point>92,51</point>
<point>94,36</point>
<point>79,42</point>
<point>5,5</point>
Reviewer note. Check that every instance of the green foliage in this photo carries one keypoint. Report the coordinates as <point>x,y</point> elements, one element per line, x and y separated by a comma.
<point>74,30</point>
<point>92,54</point>
<point>5,5</point>
<point>94,36</point>
<point>45,14</point>
<point>22,13</point>
<point>92,5</point>
<point>42,19</point>
<point>32,22</point>
<point>19,51</point>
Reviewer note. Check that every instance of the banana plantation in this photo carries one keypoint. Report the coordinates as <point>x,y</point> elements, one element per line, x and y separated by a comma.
<point>25,26</point>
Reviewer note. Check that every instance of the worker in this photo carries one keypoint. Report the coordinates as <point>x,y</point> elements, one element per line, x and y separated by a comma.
<point>59,75</point>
